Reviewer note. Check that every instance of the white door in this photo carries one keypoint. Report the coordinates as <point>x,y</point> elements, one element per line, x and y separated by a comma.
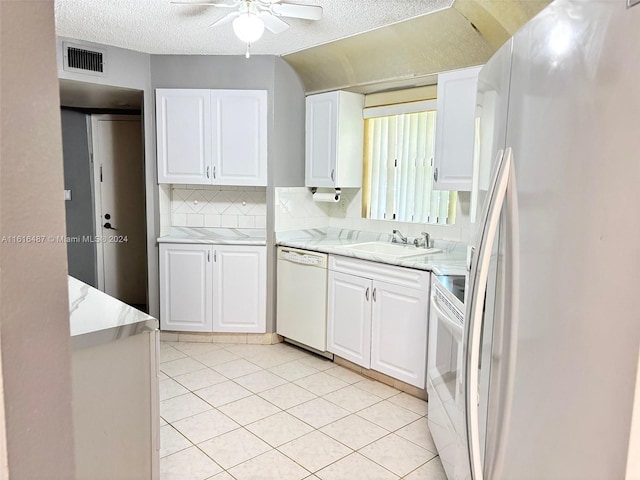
<point>183,131</point>
<point>321,141</point>
<point>120,207</point>
<point>239,288</point>
<point>239,123</point>
<point>349,318</point>
<point>399,332</point>
<point>185,287</point>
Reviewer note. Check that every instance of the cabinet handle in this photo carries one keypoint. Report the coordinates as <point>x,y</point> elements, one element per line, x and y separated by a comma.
<point>208,171</point>
<point>333,175</point>
<point>208,256</point>
<point>366,294</point>
<point>374,294</point>
<point>214,172</point>
<point>435,174</point>
<point>215,255</point>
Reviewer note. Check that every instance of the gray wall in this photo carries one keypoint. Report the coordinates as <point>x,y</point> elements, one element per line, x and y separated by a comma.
<point>288,130</point>
<point>286,157</point>
<point>35,410</point>
<point>130,69</point>
<point>285,123</point>
<point>78,177</point>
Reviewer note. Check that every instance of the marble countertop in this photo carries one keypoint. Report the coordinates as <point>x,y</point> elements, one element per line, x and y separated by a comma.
<point>217,236</point>
<point>95,317</point>
<point>450,261</point>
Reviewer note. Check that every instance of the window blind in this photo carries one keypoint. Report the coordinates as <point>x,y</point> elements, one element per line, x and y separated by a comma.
<point>400,162</point>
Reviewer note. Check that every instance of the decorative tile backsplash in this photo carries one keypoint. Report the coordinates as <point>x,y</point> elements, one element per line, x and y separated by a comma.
<point>295,209</point>
<point>218,206</point>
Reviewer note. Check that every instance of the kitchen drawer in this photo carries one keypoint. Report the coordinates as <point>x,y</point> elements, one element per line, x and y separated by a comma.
<point>406,277</point>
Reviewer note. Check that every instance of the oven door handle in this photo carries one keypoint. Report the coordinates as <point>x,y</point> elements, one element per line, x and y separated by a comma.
<point>454,327</point>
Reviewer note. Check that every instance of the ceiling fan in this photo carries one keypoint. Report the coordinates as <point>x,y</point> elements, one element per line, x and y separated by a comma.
<point>251,17</point>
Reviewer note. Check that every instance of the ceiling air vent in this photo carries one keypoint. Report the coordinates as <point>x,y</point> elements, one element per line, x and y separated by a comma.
<point>78,58</point>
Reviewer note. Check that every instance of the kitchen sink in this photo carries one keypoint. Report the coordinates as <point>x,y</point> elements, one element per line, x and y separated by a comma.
<point>393,250</point>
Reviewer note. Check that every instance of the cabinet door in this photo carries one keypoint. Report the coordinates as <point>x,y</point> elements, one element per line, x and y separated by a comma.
<point>349,318</point>
<point>321,141</point>
<point>239,123</point>
<point>455,129</point>
<point>239,295</point>
<point>399,332</point>
<point>185,287</point>
<point>183,131</point>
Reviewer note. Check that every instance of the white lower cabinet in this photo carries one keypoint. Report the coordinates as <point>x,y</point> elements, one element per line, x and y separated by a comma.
<point>239,289</point>
<point>349,317</point>
<point>377,317</point>
<point>185,287</point>
<point>212,288</point>
<point>399,332</point>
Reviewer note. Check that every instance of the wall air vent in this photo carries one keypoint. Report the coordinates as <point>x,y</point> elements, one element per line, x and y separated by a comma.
<point>79,59</point>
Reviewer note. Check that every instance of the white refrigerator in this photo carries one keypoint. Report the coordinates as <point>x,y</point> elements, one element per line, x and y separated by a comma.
<point>552,321</point>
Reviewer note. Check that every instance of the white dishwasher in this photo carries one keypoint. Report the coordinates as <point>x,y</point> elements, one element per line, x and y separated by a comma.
<point>302,298</point>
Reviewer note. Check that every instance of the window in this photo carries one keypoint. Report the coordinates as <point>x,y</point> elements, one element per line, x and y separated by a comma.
<point>399,145</point>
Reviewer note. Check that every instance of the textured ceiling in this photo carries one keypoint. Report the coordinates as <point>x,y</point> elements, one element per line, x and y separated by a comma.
<point>159,27</point>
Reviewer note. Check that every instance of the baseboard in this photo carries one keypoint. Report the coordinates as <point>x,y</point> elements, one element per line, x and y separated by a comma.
<point>232,338</point>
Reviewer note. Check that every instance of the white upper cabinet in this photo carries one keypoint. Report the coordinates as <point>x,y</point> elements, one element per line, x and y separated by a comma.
<point>239,123</point>
<point>212,137</point>
<point>455,129</point>
<point>183,131</point>
<point>334,140</point>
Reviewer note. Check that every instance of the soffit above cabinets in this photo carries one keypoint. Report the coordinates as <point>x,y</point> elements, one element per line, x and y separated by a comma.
<point>411,53</point>
<point>95,96</point>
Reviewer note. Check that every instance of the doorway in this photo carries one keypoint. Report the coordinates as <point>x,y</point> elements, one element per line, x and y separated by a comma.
<point>105,189</point>
<point>119,207</point>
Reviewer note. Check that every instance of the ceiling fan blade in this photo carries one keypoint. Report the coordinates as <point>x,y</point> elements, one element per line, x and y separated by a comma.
<point>309,12</point>
<point>226,19</point>
<point>273,24</point>
<point>208,4</point>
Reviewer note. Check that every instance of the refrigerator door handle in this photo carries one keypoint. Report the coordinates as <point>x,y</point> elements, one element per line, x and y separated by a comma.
<point>495,462</point>
<point>479,275</point>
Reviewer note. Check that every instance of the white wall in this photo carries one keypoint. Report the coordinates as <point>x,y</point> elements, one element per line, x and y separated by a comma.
<point>34,302</point>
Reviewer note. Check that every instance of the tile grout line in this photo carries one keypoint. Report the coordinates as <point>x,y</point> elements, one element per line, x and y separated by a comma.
<point>282,410</point>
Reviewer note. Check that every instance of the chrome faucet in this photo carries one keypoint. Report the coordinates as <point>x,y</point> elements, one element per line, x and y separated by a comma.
<point>402,238</point>
<point>423,241</point>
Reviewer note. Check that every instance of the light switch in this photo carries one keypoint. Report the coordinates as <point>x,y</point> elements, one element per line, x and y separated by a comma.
<point>67,195</point>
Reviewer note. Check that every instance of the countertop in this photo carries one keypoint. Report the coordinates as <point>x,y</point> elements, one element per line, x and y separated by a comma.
<point>95,317</point>
<point>450,261</point>
<point>216,236</point>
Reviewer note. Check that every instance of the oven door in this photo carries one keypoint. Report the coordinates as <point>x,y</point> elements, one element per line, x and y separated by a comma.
<point>445,382</point>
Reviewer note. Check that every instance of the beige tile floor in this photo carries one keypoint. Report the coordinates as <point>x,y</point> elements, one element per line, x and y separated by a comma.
<point>261,412</point>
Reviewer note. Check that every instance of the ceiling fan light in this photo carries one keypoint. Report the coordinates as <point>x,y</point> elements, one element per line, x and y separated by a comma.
<point>248,27</point>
